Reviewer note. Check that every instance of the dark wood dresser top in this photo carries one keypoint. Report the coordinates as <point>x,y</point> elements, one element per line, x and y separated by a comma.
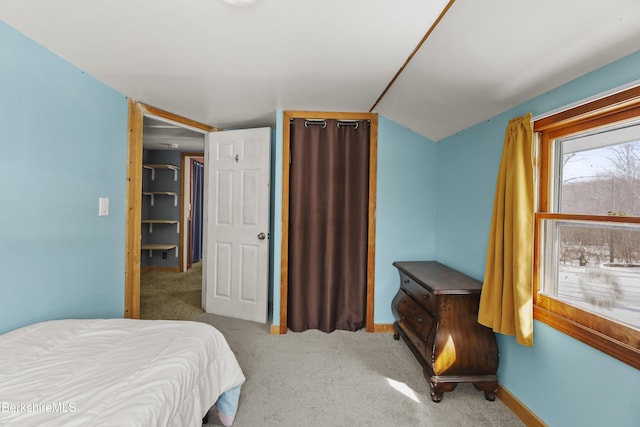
<point>439,278</point>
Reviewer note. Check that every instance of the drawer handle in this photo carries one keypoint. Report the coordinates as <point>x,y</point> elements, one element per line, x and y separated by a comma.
<point>406,281</point>
<point>425,296</point>
<point>419,319</point>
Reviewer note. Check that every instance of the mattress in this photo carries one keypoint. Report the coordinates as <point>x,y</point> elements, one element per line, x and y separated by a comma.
<point>114,372</point>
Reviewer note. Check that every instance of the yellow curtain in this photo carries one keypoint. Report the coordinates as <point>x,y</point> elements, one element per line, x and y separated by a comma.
<point>506,299</point>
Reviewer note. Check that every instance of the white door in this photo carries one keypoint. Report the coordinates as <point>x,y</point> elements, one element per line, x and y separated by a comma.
<point>236,228</point>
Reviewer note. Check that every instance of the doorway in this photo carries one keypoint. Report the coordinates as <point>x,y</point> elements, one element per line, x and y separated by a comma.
<point>287,202</point>
<point>193,211</point>
<point>138,112</point>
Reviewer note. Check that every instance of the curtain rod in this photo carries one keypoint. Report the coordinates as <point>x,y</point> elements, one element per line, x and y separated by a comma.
<point>320,121</point>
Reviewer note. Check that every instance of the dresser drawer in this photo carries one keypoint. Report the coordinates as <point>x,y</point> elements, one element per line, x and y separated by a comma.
<point>414,315</point>
<point>425,298</point>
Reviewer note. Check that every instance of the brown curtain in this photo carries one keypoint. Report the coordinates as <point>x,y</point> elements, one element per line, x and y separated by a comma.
<point>328,214</point>
<point>506,299</point>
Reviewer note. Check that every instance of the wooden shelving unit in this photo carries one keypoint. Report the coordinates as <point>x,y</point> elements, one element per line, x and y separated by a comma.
<point>154,167</point>
<point>161,221</point>
<point>159,247</point>
<point>153,195</point>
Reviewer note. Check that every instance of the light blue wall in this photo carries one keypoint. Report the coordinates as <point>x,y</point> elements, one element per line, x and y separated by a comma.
<point>63,141</point>
<point>405,214</point>
<point>405,207</point>
<point>563,381</point>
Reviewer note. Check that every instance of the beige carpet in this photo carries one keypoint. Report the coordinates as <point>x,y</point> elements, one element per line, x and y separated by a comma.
<point>315,379</point>
<point>172,296</point>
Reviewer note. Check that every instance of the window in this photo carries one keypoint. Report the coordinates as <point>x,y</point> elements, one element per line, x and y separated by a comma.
<point>587,254</point>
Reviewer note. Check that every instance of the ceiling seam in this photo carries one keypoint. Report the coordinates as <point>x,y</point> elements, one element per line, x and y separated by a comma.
<point>410,57</point>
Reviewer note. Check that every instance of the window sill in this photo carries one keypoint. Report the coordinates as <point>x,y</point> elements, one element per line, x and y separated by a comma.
<point>622,351</point>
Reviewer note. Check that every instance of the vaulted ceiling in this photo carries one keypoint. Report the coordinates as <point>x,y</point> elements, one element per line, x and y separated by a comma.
<point>460,62</point>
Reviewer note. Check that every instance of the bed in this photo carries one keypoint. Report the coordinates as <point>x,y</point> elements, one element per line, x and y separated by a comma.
<point>116,372</point>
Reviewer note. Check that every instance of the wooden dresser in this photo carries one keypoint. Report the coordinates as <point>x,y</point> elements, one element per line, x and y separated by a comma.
<point>436,311</point>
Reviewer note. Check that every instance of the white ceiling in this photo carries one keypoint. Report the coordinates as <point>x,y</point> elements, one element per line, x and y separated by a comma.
<point>160,134</point>
<point>233,67</point>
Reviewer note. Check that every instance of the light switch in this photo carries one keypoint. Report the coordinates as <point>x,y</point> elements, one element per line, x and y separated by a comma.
<point>103,203</point>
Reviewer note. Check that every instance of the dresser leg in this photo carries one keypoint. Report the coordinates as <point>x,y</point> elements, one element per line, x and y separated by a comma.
<point>438,388</point>
<point>436,396</point>
<point>489,389</point>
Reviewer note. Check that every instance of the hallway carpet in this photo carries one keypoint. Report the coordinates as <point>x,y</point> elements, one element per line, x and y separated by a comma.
<point>169,295</point>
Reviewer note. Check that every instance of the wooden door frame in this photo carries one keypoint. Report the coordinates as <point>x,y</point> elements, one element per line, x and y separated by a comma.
<point>371,239</point>
<point>137,111</point>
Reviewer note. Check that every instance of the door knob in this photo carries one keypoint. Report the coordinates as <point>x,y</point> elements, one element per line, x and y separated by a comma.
<point>262,236</point>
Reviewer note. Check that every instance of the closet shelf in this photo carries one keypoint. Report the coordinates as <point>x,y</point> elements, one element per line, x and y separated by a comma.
<point>159,247</point>
<point>153,194</point>
<point>160,216</point>
<point>153,168</point>
<point>161,221</point>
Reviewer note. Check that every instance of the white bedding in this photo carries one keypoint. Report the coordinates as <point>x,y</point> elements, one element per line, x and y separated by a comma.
<point>113,372</point>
